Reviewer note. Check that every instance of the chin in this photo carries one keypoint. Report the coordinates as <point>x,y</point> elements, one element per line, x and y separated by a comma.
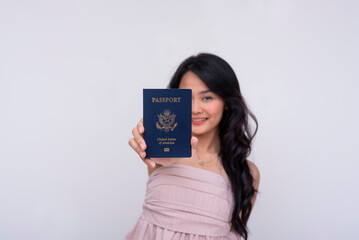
<point>197,133</point>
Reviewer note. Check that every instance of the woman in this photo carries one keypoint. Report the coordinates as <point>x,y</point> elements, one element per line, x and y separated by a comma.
<point>211,194</point>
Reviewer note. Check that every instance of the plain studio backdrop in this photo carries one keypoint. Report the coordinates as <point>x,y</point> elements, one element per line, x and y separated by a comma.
<point>71,80</point>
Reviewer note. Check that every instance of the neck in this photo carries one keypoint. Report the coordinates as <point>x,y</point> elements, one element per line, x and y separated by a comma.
<point>208,143</point>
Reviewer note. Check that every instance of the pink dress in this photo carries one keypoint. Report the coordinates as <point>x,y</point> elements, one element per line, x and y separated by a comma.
<point>185,203</point>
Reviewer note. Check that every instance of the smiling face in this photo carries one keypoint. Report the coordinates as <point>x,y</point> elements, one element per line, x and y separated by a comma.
<point>207,107</point>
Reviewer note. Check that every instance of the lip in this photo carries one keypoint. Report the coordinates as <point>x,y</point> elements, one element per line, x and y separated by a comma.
<point>199,121</point>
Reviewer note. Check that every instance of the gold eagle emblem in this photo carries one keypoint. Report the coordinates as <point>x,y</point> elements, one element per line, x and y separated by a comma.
<point>166,121</point>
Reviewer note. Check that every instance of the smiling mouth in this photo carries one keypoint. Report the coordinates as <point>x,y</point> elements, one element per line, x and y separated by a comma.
<point>199,121</point>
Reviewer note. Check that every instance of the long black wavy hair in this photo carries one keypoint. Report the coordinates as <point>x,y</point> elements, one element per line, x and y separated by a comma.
<point>234,129</point>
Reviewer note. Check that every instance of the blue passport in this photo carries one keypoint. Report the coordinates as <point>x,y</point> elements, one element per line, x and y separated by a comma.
<point>167,119</point>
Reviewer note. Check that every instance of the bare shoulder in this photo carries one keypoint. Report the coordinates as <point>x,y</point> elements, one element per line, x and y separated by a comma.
<point>255,173</point>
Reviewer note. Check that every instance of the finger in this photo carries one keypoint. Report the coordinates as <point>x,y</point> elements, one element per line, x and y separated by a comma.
<point>140,127</point>
<point>141,130</point>
<point>132,142</point>
<point>139,139</point>
<point>149,162</point>
<point>194,141</point>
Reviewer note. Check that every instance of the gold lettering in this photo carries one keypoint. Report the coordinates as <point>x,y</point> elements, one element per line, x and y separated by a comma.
<point>166,99</point>
<point>161,139</point>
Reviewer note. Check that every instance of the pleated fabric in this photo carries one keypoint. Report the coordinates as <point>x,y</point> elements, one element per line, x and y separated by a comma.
<point>185,203</point>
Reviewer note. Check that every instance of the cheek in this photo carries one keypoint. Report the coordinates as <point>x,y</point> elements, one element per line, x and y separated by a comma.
<point>217,110</point>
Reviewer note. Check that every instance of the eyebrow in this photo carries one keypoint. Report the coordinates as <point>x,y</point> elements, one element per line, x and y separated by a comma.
<point>206,91</point>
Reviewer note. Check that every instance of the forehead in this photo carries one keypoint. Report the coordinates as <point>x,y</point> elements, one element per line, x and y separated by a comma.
<point>192,81</point>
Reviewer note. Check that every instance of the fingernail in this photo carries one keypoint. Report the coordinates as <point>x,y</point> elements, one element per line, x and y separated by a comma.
<point>153,164</point>
<point>142,146</point>
<point>141,129</point>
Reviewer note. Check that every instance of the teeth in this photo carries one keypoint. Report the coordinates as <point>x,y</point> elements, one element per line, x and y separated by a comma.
<point>199,120</point>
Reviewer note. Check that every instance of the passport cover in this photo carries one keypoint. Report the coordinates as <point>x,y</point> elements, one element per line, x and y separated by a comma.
<point>167,119</point>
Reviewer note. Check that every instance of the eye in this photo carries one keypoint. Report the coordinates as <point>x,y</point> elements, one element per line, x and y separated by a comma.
<point>207,98</point>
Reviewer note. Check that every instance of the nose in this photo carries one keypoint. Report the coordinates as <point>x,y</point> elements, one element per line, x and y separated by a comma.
<point>196,107</point>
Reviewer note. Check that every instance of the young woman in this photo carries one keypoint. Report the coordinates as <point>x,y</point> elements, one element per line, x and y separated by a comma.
<point>211,194</point>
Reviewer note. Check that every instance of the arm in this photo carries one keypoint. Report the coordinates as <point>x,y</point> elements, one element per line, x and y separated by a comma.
<point>256,177</point>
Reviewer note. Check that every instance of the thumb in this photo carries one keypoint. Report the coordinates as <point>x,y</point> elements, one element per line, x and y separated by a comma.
<point>194,141</point>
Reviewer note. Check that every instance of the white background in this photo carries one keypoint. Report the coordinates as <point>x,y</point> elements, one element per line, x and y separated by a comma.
<point>71,79</point>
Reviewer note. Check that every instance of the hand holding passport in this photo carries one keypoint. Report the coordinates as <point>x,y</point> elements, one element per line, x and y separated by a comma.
<point>151,162</point>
